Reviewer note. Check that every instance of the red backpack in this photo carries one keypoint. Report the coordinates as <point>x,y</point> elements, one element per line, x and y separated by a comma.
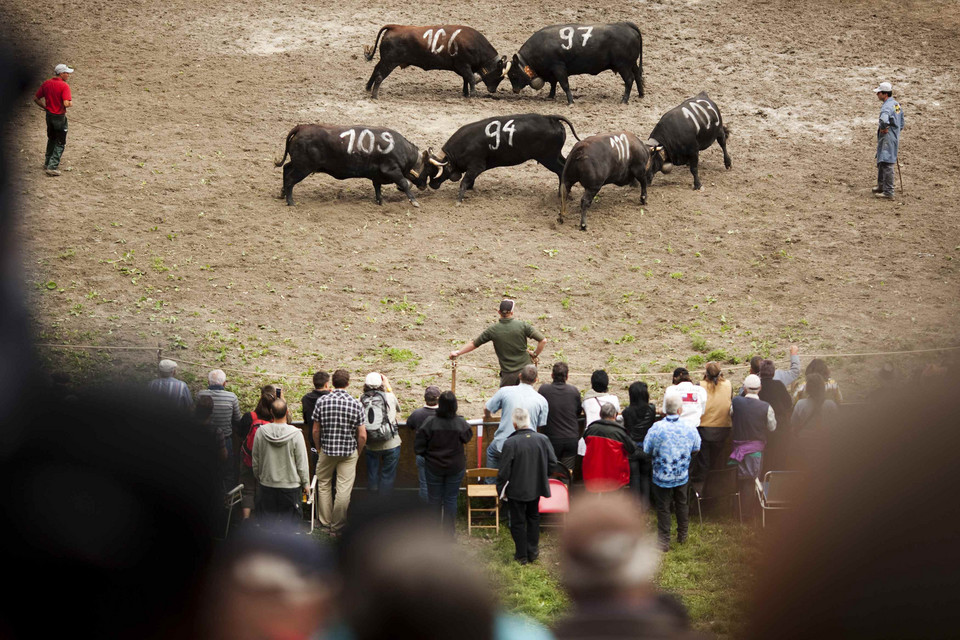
<point>246,447</point>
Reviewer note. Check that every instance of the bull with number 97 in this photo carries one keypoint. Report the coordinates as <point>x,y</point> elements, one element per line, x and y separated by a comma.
<point>501,141</point>
<point>380,155</point>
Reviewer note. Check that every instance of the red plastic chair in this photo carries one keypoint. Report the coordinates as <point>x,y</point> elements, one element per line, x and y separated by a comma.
<point>558,502</point>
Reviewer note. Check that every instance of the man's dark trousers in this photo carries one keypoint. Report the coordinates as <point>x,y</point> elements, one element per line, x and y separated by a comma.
<point>277,506</point>
<point>525,529</point>
<point>56,139</point>
<point>662,498</point>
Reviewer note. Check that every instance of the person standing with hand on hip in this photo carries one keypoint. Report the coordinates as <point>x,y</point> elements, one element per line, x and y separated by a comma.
<point>888,140</point>
<point>54,97</point>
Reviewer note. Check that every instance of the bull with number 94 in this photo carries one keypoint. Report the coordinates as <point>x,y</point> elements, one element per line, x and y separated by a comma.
<point>380,155</point>
<point>501,141</point>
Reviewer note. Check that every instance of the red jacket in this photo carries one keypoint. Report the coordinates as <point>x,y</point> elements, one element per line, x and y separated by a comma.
<point>606,465</point>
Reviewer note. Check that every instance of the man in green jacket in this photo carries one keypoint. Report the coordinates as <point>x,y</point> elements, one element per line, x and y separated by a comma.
<point>509,337</point>
<point>280,466</point>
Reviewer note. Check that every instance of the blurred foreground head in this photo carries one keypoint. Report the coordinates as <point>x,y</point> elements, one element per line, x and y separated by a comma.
<point>607,552</point>
<point>403,579</point>
<point>873,552</point>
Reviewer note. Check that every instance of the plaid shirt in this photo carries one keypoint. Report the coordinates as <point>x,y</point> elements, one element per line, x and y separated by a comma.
<point>339,415</point>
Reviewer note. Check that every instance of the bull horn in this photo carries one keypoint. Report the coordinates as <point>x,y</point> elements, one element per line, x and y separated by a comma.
<point>506,68</point>
<point>537,83</point>
<point>437,161</point>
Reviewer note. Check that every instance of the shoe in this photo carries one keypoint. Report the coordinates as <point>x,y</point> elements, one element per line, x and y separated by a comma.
<point>877,190</point>
<point>53,172</point>
<point>682,540</point>
<point>533,558</point>
<point>521,560</point>
<point>879,196</point>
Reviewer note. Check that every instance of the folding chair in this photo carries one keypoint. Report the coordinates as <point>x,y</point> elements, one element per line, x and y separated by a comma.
<point>231,499</point>
<point>778,491</point>
<point>721,483</point>
<point>478,492</point>
<point>558,502</point>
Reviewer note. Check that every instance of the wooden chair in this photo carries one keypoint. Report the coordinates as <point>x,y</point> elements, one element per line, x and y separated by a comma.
<point>477,492</point>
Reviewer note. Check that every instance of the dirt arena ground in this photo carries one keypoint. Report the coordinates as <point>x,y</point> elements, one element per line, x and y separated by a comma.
<point>165,228</point>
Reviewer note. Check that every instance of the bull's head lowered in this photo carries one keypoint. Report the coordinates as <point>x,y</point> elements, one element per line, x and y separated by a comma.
<point>522,75</point>
<point>439,170</point>
<point>659,161</point>
<point>492,73</point>
<point>420,172</point>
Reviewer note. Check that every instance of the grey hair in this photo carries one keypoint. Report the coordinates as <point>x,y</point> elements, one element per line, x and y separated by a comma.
<point>608,411</point>
<point>672,402</point>
<point>521,418</point>
<point>612,562</point>
<point>217,376</point>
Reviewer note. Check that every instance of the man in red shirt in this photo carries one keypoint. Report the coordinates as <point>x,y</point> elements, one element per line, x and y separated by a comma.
<point>54,97</point>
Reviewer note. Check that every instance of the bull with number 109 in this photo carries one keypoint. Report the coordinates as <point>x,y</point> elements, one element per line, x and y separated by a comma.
<point>448,47</point>
<point>381,155</point>
<point>501,141</point>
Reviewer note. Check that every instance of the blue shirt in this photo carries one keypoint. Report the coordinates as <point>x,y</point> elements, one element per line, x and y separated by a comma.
<point>522,396</point>
<point>891,119</point>
<point>671,443</point>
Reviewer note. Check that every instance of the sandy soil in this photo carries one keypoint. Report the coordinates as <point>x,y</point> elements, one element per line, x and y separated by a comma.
<point>166,228</point>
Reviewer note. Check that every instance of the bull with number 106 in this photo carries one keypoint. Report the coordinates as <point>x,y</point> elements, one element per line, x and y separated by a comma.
<point>380,155</point>
<point>447,47</point>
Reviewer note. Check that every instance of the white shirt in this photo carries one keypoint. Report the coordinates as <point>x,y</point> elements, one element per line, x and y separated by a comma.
<point>593,402</point>
<point>694,399</point>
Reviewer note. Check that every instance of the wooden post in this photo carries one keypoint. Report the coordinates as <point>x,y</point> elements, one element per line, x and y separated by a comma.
<point>453,376</point>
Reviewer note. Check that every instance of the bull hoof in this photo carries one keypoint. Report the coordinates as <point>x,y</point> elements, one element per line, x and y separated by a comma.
<point>643,201</point>
<point>415,204</point>
<point>700,188</point>
<point>559,219</point>
<point>583,227</point>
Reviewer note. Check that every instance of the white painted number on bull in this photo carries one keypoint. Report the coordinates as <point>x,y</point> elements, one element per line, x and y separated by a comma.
<point>366,140</point>
<point>493,131</point>
<point>622,145</point>
<point>436,39</point>
<point>452,45</point>
<point>567,33</point>
<point>697,109</point>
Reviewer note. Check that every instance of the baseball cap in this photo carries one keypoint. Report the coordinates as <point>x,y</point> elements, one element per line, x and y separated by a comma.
<point>751,382</point>
<point>507,305</point>
<point>167,366</point>
<point>886,87</point>
<point>61,68</point>
<point>373,379</point>
<point>432,393</point>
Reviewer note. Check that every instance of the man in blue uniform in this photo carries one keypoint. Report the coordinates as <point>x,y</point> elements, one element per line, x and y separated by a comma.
<point>888,140</point>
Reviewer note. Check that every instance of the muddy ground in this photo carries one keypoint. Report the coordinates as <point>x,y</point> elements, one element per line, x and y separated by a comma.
<point>165,228</point>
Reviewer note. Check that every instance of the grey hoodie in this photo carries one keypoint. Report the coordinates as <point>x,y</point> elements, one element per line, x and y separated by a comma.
<point>280,457</point>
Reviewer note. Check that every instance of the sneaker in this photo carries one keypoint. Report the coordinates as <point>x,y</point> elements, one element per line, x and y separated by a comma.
<point>533,557</point>
<point>521,560</point>
<point>53,172</point>
<point>877,190</point>
<point>881,196</point>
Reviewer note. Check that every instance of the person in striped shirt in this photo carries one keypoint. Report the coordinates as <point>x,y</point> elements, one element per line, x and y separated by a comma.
<point>226,415</point>
<point>168,387</point>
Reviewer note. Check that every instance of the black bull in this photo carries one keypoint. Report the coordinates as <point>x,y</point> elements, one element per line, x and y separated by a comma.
<point>555,53</point>
<point>684,132</point>
<point>381,155</point>
<point>501,141</point>
<point>619,158</point>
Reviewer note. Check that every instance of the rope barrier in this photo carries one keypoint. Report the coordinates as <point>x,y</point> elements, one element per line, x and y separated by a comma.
<point>457,364</point>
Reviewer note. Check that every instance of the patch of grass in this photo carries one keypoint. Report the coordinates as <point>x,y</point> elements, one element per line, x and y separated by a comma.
<point>699,343</point>
<point>565,302</point>
<point>395,354</point>
<point>696,361</point>
<point>677,275</point>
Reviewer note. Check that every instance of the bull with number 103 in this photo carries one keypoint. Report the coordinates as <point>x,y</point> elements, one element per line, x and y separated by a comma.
<point>501,141</point>
<point>685,131</point>
<point>447,47</point>
<point>380,155</point>
<point>555,53</point>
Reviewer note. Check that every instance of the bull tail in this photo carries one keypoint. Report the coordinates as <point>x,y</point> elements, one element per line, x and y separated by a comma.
<point>569,124</point>
<point>286,149</point>
<point>368,52</point>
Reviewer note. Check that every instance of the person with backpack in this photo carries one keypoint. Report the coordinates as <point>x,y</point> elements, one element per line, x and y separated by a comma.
<point>280,466</point>
<point>247,430</point>
<point>380,408</point>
